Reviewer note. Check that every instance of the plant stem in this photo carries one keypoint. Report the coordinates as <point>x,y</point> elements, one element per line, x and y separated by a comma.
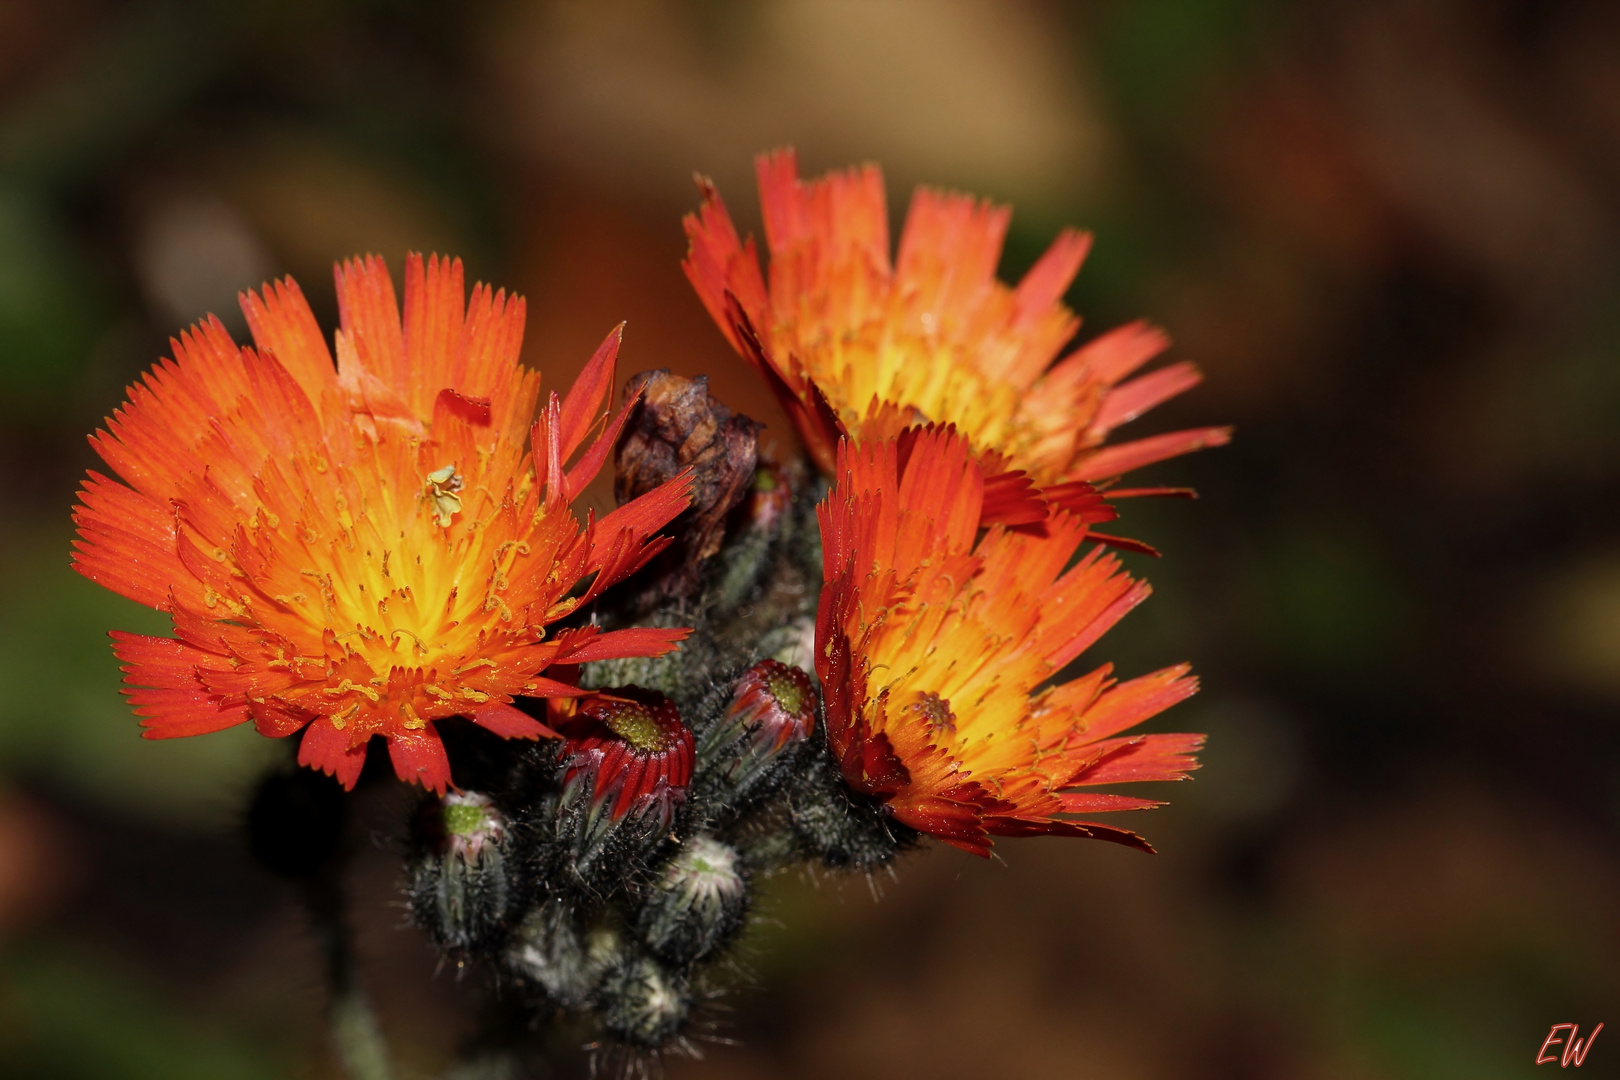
<point>356,1035</point>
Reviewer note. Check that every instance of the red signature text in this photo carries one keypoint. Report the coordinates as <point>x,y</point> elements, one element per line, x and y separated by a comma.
<point>1575,1048</point>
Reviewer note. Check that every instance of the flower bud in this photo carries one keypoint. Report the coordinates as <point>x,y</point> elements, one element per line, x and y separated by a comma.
<point>698,904</point>
<point>643,1002</point>
<point>771,497</point>
<point>843,829</point>
<point>772,712</point>
<point>743,583</point>
<point>463,885</point>
<point>551,952</point>
<point>625,768</point>
<point>638,755</point>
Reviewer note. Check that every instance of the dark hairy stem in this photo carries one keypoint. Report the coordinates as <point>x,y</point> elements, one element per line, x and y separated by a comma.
<point>356,1035</point>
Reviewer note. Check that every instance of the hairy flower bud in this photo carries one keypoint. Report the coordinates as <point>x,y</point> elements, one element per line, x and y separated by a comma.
<point>644,1002</point>
<point>551,951</point>
<point>698,904</point>
<point>625,768</point>
<point>463,884</point>
<point>744,578</point>
<point>677,425</point>
<point>638,753</point>
<point>842,829</point>
<point>771,497</point>
<point>772,711</point>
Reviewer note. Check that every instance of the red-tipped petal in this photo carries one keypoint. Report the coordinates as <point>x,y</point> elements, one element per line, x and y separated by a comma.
<point>117,548</point>
<point>1153,493</point>
<point>542,687</point>
<point>1144,757</point>
<point>635,521</point>
<point>1110,357</point>
<point>546,446</point>
<point>1124,543</point>
<point>174,714</point>
<point>326,749</point>
<point>589,397</point>
<point>510,722</point>
<point>1053,273</point>
<point>585,470</point>
<point>369,314</point>
<point>1011,498</point>
<point>1091,802</point>
<point>1129,703</point>
<point>1089,830</point>
<point>283,325</point>
<point>419,758</point>
<point>1081,500</point>
<point>722,269</point>
<point>166,690</point>
<point>433,324</point>
<point>633,641</point>
<point>1134,593</point>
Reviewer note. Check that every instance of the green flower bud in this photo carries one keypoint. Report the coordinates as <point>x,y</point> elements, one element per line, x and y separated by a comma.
<point>643,1002</point>
<point>462,883</point>
<point>551,951</point>
<point>772,713</point>
<point>698,904</point>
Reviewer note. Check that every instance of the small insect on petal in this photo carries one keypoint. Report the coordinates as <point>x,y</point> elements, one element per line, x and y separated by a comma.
<point>443,485</point>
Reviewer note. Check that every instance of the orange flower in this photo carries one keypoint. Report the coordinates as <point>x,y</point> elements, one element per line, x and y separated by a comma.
<point>852,343</point>
<point>935,643</point>
<point>362,549</point>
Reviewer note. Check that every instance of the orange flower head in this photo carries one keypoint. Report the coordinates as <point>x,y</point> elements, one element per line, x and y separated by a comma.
<point>368,547</point>
<point>854,343</point>
<point>936,643</point>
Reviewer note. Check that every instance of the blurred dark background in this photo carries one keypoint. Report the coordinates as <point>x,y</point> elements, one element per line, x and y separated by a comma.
<point>1386,229</point>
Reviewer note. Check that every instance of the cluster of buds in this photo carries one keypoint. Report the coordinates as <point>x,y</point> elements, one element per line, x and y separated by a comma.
<point>616,863</point>
<point>607,871</point>
<point>611,867</point>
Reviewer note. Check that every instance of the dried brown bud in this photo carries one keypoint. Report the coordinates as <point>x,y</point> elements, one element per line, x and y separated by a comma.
<point>678,425</point>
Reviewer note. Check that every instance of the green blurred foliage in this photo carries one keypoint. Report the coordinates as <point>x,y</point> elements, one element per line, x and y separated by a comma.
<point>52,307</point>
<point>63,718</point>
<point>65,1015</point>
<point>1328,603</point>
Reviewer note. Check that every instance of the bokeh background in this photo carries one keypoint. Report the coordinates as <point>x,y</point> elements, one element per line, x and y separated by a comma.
<point>1385,228</point>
